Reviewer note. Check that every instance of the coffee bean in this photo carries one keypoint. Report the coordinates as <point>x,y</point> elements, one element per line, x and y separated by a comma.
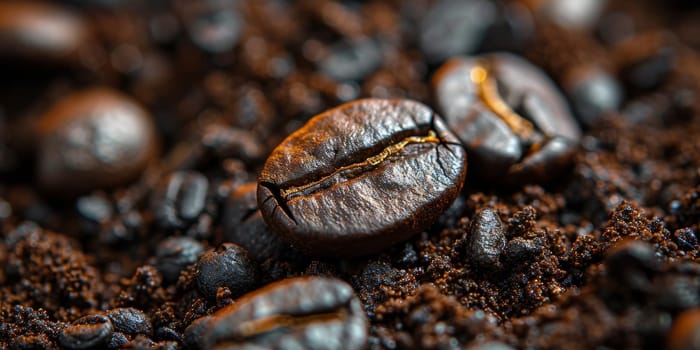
<point>520,250</point>
<point>510,31</point>
<point>91,139</point>
<point>181,199</point>
<point>509,115</point>
<point>213,26</point>
<point>228,266</point>
<point>361,177</point>
<point>87,332</point>
<point>572,14</point>
<point>486,240</point>
<point>130,321</point>
<point>685,333</point>
<point>352,60</point>
<point>647,59</point>
<point>174,254</point>
<point>630,263</point>
<point>676,293</point>
<point>296,313</point>
<point>593,93</point>
<point>455,27</point>
<point>95,208</point>
<point>244,225</point>
<point>40,33</point>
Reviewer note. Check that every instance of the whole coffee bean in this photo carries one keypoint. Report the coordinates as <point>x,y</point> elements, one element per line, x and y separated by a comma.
<point>40,33</point>
<point>486,240</point>
<point>361,177</point>
<point>685,333</point>
<point>87,332</point>
<point>174,254</point>
<point>244,225</point>
<point>582,14</point>
<point>227,266</point>
<point>181,199</point>
<point>352,60</point>
<point>455,27</point>
<point>296,313</point>
<point>520,250</point>
<point>630,264</point>
<point>509,115</point>
<point>213,26</point>
<point>130,321</point>
<point>593,93</point>
<point>93,138</point>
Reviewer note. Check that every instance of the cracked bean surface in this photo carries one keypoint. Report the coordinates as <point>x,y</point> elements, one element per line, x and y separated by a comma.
<point>361,177</point>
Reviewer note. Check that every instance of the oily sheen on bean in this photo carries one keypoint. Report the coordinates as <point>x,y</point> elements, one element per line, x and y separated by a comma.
<point>361,177</point>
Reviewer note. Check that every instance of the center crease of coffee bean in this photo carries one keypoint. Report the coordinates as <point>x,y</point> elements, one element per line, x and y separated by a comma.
<point>372,161</point>
<point>263,325</point>
<point>488,93</point>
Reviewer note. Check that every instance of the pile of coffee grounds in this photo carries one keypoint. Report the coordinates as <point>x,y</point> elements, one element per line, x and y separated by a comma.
<point>130,252</point>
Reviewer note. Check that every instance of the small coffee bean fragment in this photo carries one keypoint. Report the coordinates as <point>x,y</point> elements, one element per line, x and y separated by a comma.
<point>130,321</point>
<point>91,139</point>
<point>630,264</point>
<point>361,177</point>
<point>352,60</point>
<point>486,240</point>
<point>181,199</point>
<point>685,333</point>
<point>520,250</point>
<point>244,225</point>
<point>512,119</point>
<point>455,27</point>
<point>228,266</point>
<point>213,26</point>
<point>296,313</point>
<point>87,332</point>
<point>593,93</point>
<point>685,238</point>
<point>174,254</point>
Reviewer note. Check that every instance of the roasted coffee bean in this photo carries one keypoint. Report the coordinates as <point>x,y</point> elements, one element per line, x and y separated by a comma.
<point>511,30</point>
<point>40,33</point>
<point>486,240</point>
<point>455,27</point>
<point>593,93</point>
<point>510,116</point>
<point>91,139</point>
<point>181,199</point>
<point>95,208</point>
<point>174,254</point>
<point>214,26</point>
<point>676,293</point>
<point>361,177</point>
<point>685,333</point>
<point>630,263</point>
<point>87,332</point>
<point>352,60</point>
<point>297,313</point>
<point>647,59</point>
<point>572,14</point>
<point>130,321</point>
<point>244,225</point>
<point>520,250</point>
<point>228,266</point>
